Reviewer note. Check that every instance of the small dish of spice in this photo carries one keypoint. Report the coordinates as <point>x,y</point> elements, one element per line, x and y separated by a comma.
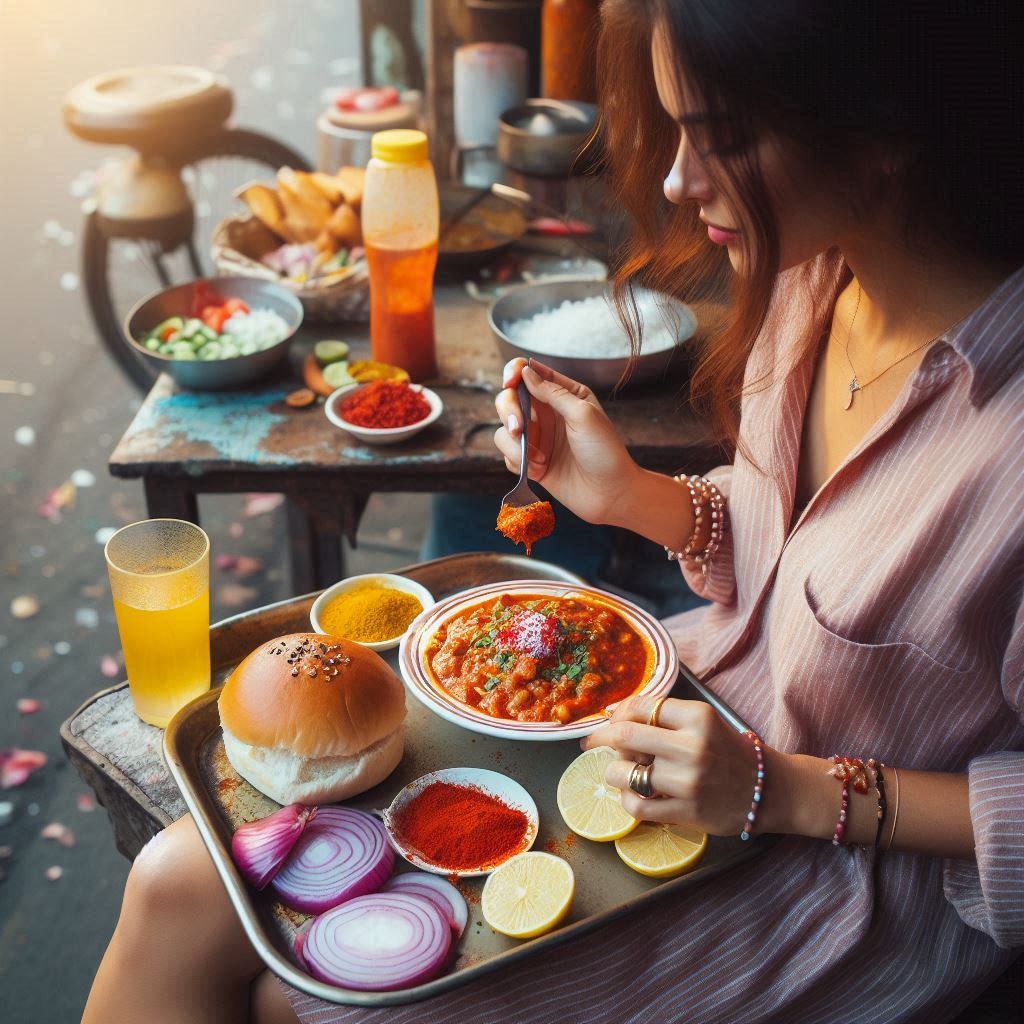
<point>383,411</point>
<point>374,609</point>
<point>461,821</point>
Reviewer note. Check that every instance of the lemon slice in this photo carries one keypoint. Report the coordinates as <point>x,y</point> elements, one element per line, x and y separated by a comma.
<point>528,895</point>
<point>662,851</point>
<point>588,805</point>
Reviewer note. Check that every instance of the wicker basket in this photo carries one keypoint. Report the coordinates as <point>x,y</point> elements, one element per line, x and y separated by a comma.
<point>238,244</point>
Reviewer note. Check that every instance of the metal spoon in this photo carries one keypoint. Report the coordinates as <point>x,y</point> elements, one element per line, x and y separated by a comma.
<point>521,494</point>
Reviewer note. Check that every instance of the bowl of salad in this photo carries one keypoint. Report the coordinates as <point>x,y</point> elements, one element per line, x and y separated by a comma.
<point>217,333</point>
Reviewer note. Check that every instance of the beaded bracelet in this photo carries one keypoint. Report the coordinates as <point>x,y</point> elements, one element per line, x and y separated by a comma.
<point>708,500</point>
<point>862,776</point>
<point>755,804</point>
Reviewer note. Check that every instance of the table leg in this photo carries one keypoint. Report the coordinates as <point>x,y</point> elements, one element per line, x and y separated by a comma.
<point>318,556</point>
<point>170,499</point>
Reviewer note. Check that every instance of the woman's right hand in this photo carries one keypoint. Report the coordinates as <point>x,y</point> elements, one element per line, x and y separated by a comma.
<point>575,452</point>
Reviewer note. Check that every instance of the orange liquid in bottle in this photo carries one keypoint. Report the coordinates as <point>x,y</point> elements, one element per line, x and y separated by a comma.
<point>402,308</point>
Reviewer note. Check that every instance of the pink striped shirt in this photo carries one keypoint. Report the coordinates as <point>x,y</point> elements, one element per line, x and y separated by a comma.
<point>888,621</point>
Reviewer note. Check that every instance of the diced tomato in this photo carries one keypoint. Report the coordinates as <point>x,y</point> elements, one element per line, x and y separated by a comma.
<point>204,296</point>
<point>166,333</point>
<point>235,306</point>
<point>214,317</point>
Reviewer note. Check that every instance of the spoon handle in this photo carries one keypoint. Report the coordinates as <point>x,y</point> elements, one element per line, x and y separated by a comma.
<point>524,438</point>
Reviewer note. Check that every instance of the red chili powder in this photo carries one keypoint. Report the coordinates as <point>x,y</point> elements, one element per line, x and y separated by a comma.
<point>385,403</point>
<point>461,826</point>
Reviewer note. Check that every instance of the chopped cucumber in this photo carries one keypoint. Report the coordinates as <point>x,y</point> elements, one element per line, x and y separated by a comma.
<point>152,344</point>
<point>184,354</point>
<point>330,351</point>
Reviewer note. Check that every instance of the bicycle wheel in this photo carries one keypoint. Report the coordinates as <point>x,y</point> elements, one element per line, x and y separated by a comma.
<point>117,272</point>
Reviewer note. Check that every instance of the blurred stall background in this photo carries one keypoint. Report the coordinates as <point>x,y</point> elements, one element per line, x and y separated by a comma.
<point>62,408</point>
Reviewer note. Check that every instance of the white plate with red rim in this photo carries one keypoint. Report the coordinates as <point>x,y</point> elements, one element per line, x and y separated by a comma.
<point>419,680</point>
<point>507,790</point>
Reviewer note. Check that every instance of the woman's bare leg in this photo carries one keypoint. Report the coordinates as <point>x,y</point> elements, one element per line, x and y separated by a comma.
<point>178,954</point>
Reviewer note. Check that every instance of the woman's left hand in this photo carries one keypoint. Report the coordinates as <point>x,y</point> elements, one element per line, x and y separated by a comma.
<point>703,770</point>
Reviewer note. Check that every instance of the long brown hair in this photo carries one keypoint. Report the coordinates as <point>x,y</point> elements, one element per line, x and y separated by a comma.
<point>934,84</point>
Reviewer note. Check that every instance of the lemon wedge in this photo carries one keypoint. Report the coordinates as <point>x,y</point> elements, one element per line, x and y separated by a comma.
<point>588,805</point>
<point>662,851</point>
<point>528,895</point>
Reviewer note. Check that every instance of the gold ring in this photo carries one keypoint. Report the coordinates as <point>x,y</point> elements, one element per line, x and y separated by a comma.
<point>640,780</point>
<point>656,711</point>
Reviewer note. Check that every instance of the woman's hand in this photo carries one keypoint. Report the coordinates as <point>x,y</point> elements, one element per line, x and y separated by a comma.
<point>703,770</point>
<point>575,452</point>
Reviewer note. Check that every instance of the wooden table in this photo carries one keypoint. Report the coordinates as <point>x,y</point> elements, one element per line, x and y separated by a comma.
<point>121,757</point>
<point>183,444</point>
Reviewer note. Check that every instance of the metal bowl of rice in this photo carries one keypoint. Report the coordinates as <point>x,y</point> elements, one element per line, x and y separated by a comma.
<point>275,316</point>
<point>573,327</point>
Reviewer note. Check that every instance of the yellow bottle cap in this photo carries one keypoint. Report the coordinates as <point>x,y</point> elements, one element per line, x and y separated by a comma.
<point>400,146</point>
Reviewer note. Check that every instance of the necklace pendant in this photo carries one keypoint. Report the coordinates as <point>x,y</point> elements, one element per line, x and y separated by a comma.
<point>854,387</point>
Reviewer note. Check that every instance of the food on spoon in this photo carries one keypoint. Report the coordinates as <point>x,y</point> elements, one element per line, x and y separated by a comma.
<point>528,895</point>
<point>260,847</point>
<point>526,524</point>
<point>588,805</point>
<point>662,851</point>
<point>438,891</point>
<point>378,943</point>
<point>370,613</point>
<point>310,718</point>
<point>342,853</point>
<point>385,404</point>
<point>537,658</point>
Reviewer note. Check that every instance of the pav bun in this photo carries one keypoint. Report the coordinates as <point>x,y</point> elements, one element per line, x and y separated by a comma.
<point>313,719</point>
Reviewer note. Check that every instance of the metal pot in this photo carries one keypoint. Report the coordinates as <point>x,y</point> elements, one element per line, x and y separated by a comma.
<point>544,137</point>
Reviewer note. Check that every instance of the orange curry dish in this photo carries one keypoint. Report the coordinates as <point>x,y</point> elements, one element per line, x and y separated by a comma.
<point>535,658</point>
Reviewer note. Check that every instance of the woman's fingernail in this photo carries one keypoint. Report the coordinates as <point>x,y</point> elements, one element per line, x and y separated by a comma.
<point>513,423</point>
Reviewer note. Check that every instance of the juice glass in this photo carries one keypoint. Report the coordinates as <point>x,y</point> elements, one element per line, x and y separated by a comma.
<point>160,579</point>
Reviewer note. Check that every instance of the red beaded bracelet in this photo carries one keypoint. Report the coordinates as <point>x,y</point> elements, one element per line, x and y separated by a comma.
<point>862,776</point>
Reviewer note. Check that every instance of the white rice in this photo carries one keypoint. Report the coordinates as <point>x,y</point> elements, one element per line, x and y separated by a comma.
<point>259,328</point>
<point>591,328</point>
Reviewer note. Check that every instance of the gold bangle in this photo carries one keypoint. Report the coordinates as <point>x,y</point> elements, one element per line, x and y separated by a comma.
<point>896,809</point>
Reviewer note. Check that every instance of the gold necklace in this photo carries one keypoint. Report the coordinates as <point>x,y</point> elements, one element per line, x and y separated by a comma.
<point>855,385</point>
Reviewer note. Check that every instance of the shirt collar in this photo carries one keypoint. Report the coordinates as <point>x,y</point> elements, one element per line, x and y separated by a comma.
<point>991,339</point>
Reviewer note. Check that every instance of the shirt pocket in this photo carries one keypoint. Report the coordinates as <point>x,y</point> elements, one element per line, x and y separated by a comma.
<point>862,634</point>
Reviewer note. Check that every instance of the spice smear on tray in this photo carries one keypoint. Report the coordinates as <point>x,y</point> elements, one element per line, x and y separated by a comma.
<point>526,524</point>
<point>370,613</point>
<point>384,404</point>
<point>461,827</point>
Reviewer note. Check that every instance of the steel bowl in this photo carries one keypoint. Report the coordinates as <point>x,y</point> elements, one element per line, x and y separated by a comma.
<point>601,375</point>
<point>214,374</point>
<point>544,137</point>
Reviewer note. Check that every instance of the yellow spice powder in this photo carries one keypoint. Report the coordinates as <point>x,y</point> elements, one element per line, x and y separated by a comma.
<point>370,613</point>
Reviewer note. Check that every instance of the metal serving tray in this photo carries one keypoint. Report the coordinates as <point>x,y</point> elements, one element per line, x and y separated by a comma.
<point>220,800</point>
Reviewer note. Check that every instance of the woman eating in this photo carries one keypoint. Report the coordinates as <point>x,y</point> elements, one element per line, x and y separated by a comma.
<point>854,168</point>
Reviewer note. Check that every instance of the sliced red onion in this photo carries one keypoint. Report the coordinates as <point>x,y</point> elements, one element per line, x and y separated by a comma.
<point>299,942</point>
<point>440,892</point>
<point>342,853</point>
<point>260,847</point>
<point>379,942</point>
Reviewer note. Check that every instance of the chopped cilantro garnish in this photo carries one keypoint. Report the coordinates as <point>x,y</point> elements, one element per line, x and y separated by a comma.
<point>492,682</point>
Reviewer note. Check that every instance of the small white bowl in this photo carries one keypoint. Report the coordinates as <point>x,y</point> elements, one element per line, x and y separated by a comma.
<point>494,783</point>
<point>381,579</point>
<point>382,435</point>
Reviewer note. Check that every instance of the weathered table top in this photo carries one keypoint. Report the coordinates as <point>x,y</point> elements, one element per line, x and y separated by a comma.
<point>205,438</point>
<point>121,757</point>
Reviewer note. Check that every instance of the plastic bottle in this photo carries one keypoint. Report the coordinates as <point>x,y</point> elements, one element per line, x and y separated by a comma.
<point>401,220</point>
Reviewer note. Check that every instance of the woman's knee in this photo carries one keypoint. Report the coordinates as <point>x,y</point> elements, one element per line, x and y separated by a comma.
<point>174,872</point>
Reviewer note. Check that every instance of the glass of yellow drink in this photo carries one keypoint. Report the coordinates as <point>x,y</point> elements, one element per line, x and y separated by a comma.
<point>160,578</point>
